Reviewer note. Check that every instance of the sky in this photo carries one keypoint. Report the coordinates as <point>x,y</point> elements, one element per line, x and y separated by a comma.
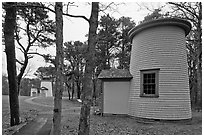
<point>75,29</point>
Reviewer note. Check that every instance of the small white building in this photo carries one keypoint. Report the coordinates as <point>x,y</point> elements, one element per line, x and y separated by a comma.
<point>159,88</point>
<point>34,91</point>
<point>43,91</point>
<point>115,88</point>
<point>46,87</point>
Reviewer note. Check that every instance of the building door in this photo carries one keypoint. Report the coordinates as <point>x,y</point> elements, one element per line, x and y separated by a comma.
<point>116,96</point>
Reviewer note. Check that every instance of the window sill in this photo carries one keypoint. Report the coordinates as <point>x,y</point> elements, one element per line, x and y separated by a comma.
<point>149,96</point>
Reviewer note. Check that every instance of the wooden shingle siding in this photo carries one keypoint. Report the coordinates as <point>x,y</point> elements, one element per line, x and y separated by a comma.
<point>161,47</point>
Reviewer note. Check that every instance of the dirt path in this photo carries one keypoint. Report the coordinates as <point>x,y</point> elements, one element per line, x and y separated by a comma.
<point>43,122</point>
<point>34,127</point>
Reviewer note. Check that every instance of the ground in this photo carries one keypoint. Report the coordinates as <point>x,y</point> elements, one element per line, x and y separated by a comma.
<point>120,125</point>
<point>106,125</point>
<point>27,113</point>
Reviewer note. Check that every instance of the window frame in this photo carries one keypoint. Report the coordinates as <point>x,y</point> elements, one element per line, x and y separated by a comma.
<point>149,71</point>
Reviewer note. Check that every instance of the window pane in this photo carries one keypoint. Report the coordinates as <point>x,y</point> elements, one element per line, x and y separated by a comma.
<point>153,80</point>
<point>153,91</point>
<point>149,83</point>
<point>145,87</point>
<point>149,76</point>
<point>153,75</point>
<point>145,92</point>
<point>145,76</point>
<point>149,87</point>
<point>145,81</point>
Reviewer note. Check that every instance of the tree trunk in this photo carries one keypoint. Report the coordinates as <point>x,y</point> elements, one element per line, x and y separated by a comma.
<point>84,123</point>
<point>20,75</point>
<point>59,70</point>
<point>68,88</point>
<point>10,24</point>
<point>122,63</point>
<point>78,89</point>
<point>94,94</point>
<point>73,87</point>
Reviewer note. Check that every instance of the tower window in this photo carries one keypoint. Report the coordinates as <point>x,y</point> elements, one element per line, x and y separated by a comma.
<point>149,83</point>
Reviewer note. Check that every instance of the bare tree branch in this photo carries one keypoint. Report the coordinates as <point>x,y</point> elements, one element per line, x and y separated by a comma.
<point>46,57</point>
<point>28,34</point>
<point>21,28</point>
<point>77,16</point>
<point>108,6</point>
<point>187,9</point>
<point>19,43</point>
<point>21,63</point>
<point>20,49</point>
<point>29,57</point>
<point>42,6</point>
<point>70,4</point>
<point>36,53</point>
<point>28,70</point>
<point>36,37</point>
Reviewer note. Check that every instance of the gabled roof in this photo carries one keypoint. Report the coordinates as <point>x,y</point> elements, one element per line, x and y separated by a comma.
<point>115,74</point>
<point>44,88</point>
<point>46,78</point>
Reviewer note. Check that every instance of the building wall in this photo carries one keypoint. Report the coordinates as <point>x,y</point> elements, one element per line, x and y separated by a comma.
<point>33,92</point>
<point>161,47</point>
<point>48,85</point>
<point>116,97</point>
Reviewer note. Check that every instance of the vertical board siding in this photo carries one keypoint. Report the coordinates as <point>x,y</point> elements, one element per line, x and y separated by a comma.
<point>161,47</point>
<point>48,85</point>
<point>116,97</point>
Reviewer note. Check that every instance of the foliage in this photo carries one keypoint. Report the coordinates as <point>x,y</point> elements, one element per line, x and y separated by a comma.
<point>26,85</point>
<point>107,42</point>
<point>38,26</point>
<point>126,24</point>
<point>45,72</point>
<point>152,16</point>
<point>113,43</point>
<point>74,53</point>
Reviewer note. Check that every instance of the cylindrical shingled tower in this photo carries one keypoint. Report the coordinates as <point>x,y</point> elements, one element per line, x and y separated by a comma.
<point>160,85</point>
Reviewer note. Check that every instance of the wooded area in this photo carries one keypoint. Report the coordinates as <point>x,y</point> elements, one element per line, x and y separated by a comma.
<point>107,46</point>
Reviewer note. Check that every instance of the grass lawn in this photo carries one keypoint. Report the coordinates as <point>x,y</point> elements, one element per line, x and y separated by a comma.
<point>66,103</point>
<point>106,125</point>
<point>122,125</point>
